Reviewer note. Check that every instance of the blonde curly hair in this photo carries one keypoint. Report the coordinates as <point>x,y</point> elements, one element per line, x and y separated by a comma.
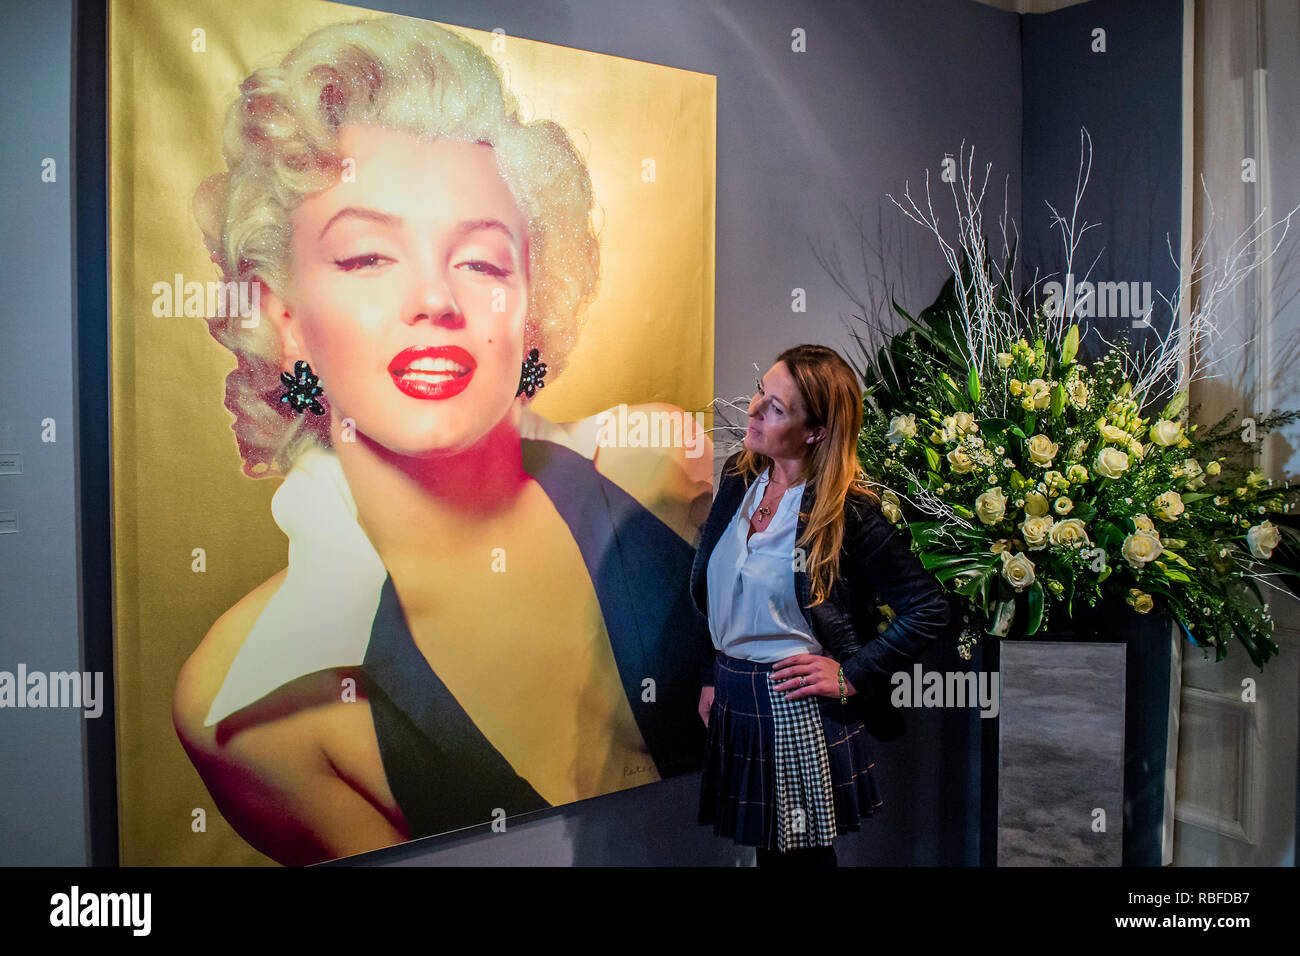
<point>280,144</point>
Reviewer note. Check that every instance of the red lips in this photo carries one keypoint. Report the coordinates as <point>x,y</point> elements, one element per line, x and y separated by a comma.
<point>432,372</point>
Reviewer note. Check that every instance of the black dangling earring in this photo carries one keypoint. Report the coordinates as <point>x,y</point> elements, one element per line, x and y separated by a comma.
<point>302,387</point>
<point>530,379</point>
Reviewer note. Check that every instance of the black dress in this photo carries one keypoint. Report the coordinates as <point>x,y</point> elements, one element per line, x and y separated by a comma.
<point>444,773</point>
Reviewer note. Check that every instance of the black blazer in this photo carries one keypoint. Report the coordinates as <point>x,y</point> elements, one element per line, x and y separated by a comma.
<point>876,567</point>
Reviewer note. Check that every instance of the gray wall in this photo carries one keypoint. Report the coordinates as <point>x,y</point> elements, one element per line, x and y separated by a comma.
<point>807,144</point>
<point>42,800</point>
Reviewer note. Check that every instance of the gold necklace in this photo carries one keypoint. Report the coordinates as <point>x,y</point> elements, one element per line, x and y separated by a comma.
<point>763,510</point>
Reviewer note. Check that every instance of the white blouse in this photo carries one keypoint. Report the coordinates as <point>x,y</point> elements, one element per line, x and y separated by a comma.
<point>754,613</point>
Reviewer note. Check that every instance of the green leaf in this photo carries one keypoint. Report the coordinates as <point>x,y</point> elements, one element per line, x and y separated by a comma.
<point>932,458</point>
<point>1058,400</point>
<point>1109,535</point>
<point>1082,510</point>
<point>933,560</point>
<point>888,377</point>
<point>975,583</point>
<point>1035,601</point>
<point>991,426</point>
<point>929,325</point>
<point>943,575</point>
<point>973,384</point>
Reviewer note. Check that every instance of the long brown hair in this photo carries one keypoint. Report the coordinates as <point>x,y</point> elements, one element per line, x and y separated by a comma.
<point>832,398</point>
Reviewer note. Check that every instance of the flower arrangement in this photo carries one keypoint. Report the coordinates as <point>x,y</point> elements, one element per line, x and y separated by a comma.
<point>1034,483</point>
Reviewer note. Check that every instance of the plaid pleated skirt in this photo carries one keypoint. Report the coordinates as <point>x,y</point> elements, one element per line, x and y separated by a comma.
<point>782,774</point>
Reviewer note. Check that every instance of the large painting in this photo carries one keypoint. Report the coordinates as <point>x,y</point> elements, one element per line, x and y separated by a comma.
<point>411,365</point>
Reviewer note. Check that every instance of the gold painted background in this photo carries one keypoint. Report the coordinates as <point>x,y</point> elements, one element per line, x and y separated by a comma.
<point>177,483</point>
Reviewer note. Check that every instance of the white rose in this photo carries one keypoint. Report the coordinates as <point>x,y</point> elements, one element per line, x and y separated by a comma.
<point>1042,449</point>
<point>1168,506</point>
<point>1111,433</point>
<point>965,421</point>
<point>1141,547</point>
<point>900,427</point>
<point>960,461</point>
<point>1018,570</point>
<point>1166,432</point>
<point>1040,392</point>
<point>1035,504</point>
<point>1069,532</point>
<point>1035,530</point>
<point>1143,523</point>
<point>1110,463</point>
<point>1263,538</point>
<point>991,506</point>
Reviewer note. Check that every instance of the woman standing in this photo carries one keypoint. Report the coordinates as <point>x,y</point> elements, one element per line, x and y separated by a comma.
<point>789,570</point>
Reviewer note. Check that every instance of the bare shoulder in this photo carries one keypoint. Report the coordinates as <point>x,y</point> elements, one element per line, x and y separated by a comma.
<point>660,455</point>
<point>202,674</point>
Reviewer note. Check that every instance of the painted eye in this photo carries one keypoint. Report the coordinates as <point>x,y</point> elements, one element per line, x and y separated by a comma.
<point>487,268</point>
<point>358,262</point>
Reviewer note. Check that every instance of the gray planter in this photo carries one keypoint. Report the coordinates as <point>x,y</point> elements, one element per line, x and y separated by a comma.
<point>1061,754</point>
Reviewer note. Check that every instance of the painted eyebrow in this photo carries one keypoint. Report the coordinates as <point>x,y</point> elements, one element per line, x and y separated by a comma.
<point>462,228</point>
